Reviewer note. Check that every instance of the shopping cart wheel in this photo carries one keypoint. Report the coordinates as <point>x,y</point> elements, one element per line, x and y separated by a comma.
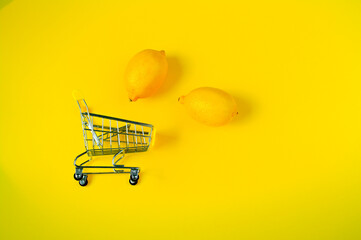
<point>78,176</point>
<point>84,181</point>
<point>133,182</point>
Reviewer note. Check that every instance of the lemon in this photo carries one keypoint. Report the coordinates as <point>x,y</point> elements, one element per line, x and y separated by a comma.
<point>210,106</point>
<point>145,73</point>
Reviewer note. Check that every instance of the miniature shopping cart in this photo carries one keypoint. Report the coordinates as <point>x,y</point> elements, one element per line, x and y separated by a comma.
<point>105,135</point>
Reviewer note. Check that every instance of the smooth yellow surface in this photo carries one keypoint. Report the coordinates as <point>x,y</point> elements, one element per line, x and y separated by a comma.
<point>287,168</point>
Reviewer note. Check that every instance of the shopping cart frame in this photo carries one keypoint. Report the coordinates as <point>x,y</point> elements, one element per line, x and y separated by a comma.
<point>81,175</point>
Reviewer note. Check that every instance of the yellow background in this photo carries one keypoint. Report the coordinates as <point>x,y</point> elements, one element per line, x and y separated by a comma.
<point>287,168</point>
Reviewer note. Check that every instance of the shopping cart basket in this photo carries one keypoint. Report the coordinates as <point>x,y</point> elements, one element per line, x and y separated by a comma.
<point>105,135</point>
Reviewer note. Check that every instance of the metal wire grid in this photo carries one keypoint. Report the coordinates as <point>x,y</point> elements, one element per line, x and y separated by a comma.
<point>106,135</point>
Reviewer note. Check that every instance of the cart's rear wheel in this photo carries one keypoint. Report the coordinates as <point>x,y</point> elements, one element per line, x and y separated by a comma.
<point>78,176</point>
<point>133,182</point>
<point>84,181</point>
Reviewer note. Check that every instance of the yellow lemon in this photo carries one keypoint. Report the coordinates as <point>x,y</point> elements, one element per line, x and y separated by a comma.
<point>145,73</point>
<point>210,106</point>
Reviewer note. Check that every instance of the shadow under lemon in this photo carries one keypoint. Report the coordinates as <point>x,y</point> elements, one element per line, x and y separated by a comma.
<point>164,139</point>
<point>175,72</point>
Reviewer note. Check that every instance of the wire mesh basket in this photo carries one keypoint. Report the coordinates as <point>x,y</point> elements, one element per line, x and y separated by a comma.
<point>104,135</point>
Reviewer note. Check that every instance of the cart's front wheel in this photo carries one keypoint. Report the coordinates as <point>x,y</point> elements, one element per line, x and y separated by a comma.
<point>84,181</point>
<point>78,176</point>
